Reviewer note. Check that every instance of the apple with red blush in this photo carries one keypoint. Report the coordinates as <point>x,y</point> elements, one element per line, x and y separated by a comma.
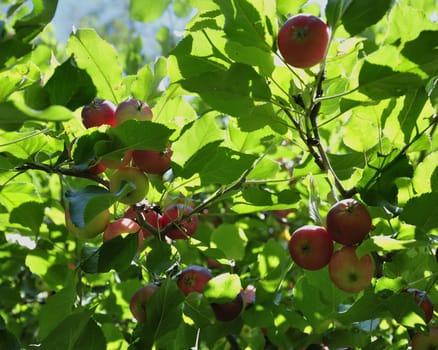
<point>139,300</point>
<point>176,223</point>
<point>152,161</point>
<point>193,279</point>
<point>98,112</point>
<point>123,226</point>
<point>132,108</point>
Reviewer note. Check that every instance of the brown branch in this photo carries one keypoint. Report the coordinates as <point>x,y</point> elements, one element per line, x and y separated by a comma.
<point>62,171</point>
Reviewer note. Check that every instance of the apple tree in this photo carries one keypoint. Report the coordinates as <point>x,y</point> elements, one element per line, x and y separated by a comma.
<point>153,207</point>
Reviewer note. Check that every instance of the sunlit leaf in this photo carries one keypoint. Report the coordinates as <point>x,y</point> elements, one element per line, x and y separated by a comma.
<point>222,288</point>
<point>422,211</point>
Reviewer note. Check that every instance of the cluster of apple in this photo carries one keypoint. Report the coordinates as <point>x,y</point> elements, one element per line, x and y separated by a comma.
<point>136,165</point>
<point>311,247</point>
<point>193,279</point>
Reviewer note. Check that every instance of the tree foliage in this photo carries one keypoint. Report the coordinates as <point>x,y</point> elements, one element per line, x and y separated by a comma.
<point>259,149</point>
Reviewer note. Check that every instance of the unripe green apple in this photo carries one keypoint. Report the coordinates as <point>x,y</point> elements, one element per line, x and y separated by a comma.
<point>92,228</point>
<point>133,176</point>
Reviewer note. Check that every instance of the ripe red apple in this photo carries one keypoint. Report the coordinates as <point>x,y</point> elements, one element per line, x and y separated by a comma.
<point>425,341</point>
<point>141,214</point>
<point>348,221</point>
<point>423,301</point>
<point>230,310</point>
<point>193,279</point>
<point>311,247</point>
<point>98,112</point>
<point>121,226</point>
<point>91,229</point>
<point>139,300</point>
<point>348,272</point>
<point>181,229</point>
<point>130,175</point>
<point>132,108</point>
<point>303,40</point>
<point>151,161</point>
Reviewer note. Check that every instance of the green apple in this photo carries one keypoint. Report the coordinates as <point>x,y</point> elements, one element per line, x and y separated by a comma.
<point>95,226</point>
<point>132,176</point>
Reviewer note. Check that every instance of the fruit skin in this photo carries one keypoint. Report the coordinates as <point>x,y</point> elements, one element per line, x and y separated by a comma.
<point>184,228</point>
<point>230,310</point>
<point>311,247</point>
<point>118,163</point>
<point>138,301</point>
<point>348,221</point>
<point>424,341</point>
<point>91,229</point>
<point>348,272</point>
<point>98,112</point>
<point>303,40</point>
<point>120,226</point>
<point>423,301</point>
<point>132,108</point>
<point>151,161</point>
<point>132,175</point>
<point>193,279</point>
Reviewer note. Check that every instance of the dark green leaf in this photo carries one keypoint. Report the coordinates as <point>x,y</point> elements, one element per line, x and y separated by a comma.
<point>160,258</point>
<point>8,340</point>
<point>198,309</point>
<point>116,253</point>
<point>380,82</point>
<point>32,24</point>
<point>361,14</point>
<point>424,51</point>
<point>70,86</point>
<point>422,211</point>
<point>345,164</point>
<point>92,338</point>
<point>335,10</point>
<point>412,107</point>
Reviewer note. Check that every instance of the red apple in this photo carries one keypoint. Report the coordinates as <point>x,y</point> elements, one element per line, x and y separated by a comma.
<point>141,214</point>
<point>98,113</point>
<point>230,310</point>
<point>303,40</point>
<point>348,272</point>
<point>311,247</point>
<point>193,279</point>
<point>91,229</point>
<point>423,301</point>
<point>121,226</point>
<point>151,161</point>
<point>132,108</point>
<point>139,300</point>
<point>348,221</point>
<point>133,176</point>
<point>425,341</point>
<point>180,229</point>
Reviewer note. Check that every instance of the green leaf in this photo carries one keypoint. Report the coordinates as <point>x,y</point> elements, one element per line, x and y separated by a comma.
<point>361,14</point>
<point>222,288</point>
<point>32,24</point>
<point>149,13</point>
<point>368,307</point>
<point>383,244</point>
<point>92,338</point>
<point>231,240</point>
<point>13,47</point>
<point>422,211</point>
<point>99,59</point>
<point>116,253</point>
<point>231,91</point>
<point>57,307</point>
<point>29,214</point>
<point>160,258</point>
<point>379,82</point>
<point>146,84</point>
<point>14,114</point>
<point>68,332</point>
<point>423,179</point>
<point>70,86</point>
<point>424,51</point>
<point>18,77</point>
<point>335,10</point>
<point>85,203</point>
<point>198,310</point>
<point>8,340</point>
<point>413,104</point>
<point>405,310</point>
